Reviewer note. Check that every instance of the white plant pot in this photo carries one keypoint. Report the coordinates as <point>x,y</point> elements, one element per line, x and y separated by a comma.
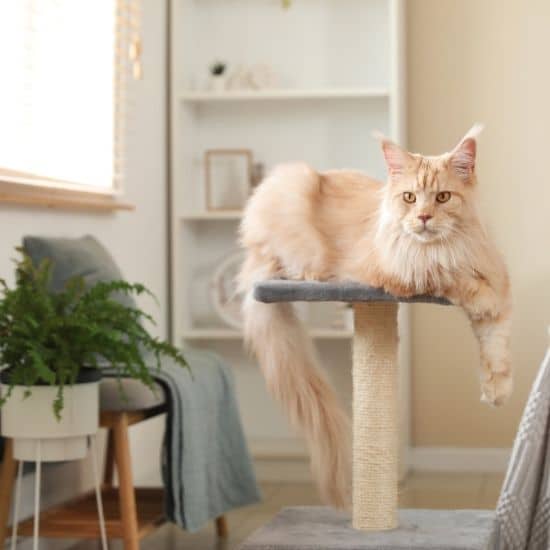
<point>218,83</point>
<point>31,420</point>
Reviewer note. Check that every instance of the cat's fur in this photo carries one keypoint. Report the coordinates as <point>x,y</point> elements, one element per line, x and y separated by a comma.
<point>343,225</point>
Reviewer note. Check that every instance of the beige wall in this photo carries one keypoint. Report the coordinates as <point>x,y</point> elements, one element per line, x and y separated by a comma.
<point>487,61</point>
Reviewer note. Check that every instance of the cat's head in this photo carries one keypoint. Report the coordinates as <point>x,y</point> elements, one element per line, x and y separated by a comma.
<point>430,198</point>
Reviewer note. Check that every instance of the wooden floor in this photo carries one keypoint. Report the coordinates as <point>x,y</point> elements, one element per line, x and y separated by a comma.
<point>419,491</point>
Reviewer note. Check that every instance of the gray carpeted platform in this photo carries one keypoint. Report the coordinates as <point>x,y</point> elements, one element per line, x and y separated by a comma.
<point>321,528</point>
<point>283,290</point>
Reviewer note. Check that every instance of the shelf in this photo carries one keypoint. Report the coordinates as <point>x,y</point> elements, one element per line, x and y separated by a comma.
<point>233,334</point>
<point>213,215</point>
<point>280,95</point>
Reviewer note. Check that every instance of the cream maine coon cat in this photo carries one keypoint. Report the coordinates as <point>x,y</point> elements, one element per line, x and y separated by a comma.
<point>418,234</point>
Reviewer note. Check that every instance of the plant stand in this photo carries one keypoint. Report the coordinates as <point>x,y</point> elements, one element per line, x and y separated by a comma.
<point>36,435</point>
<point>37,486</point>
<point>375,437</point>
<point>131,513</point>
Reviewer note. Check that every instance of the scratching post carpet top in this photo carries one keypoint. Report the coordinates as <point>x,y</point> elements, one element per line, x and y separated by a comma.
<point>284,290</point>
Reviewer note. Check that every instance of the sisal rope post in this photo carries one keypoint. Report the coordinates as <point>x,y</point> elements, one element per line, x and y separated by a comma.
<point>375,422</point>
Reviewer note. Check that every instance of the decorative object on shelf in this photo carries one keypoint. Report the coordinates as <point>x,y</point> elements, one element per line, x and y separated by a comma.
<point>218,76</point>
<point>52,344</point>
<point>224,294</point>
<point>258,77</point>
<point>238,79</point>
<point>262,77</point>
<point>228,174</point>
<point>286,4</point>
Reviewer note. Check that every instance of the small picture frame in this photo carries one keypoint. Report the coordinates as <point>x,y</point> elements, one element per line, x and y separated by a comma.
<point>228,175</point>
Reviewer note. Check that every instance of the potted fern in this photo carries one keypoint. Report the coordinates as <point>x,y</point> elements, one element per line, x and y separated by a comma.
<point>218,76</point>
<point>51,347</point>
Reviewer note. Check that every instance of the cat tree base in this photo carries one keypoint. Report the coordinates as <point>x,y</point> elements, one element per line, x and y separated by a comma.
<point>375,420</point>
<point>304,528</point>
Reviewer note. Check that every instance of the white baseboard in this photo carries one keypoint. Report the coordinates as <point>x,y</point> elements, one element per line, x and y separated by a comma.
<point>459,459</point>
<point>282,471</point>
<point>280,448</point>
<point>280,460</point>
<point>286,460</point>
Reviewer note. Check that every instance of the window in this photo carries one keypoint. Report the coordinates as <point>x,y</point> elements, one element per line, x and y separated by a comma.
<point>61,92</point>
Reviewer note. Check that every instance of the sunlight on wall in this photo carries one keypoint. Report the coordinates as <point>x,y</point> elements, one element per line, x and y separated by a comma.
<point>57,112</point>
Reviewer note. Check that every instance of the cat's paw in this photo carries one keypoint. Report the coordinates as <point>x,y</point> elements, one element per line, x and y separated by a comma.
<point>497,388</point>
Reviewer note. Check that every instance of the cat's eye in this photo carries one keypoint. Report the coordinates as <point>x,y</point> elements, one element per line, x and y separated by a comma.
<point>444,196</point>
<point>409,197</point>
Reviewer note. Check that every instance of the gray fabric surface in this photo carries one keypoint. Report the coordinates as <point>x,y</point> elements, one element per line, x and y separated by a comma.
<point>282,290</point>
<point>523,509</point>
<point>128,394</point>
<point>309,528</point>
<point>83,257</point>
<point>206,467</point>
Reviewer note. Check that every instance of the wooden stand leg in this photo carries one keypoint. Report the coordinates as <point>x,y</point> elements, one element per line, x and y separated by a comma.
<point>127,494</point>
<point>7,479</point>
<point>16,506</point>
<point>221,527</point>
<point>375,422</point>
<point>109,469</point>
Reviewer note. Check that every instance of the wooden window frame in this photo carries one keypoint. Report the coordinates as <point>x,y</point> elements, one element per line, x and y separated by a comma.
<point>50,196</point>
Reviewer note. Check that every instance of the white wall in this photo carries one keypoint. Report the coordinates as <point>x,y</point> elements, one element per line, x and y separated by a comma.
<point>137,240</point>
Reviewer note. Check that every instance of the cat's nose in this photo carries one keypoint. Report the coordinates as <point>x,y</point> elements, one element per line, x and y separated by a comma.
<point>425,217</point>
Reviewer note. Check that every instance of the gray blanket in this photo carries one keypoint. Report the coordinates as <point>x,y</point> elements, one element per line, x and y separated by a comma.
<point>206,466</point>
<point>523,509</point>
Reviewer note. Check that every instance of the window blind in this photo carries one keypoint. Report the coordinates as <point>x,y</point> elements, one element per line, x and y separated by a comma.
<point>63,91</point>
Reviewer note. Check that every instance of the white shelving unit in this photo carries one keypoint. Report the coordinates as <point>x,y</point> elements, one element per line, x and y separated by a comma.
<point>282,95</point>
<point>339,65</point>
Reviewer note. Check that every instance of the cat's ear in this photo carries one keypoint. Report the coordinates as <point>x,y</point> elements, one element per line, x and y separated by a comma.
<point>463,156</point>
<point>397,158</point>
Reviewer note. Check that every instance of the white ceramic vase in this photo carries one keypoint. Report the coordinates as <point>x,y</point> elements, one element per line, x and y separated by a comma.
<point>218,83</point>
<point>29,420</point>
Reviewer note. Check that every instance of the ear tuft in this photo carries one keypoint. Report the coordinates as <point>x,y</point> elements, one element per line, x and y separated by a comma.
<point>396,158</point>
<point>463,157</point>
<point>474,131</point>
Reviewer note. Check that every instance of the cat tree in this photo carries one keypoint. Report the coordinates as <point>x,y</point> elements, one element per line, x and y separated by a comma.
<point>375,441</point>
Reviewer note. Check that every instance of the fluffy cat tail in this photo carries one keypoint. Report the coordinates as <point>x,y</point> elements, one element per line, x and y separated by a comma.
<point>287,358</point>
